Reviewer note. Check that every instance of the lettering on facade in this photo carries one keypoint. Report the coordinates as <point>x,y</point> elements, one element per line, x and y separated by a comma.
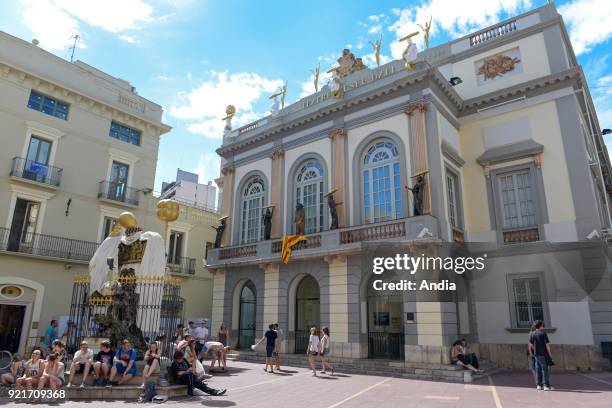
<point>376,74</point>
<point>131,103</point>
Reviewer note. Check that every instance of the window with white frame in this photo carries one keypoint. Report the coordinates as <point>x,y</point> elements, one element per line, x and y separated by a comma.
<point>528,302</point>
<point>309,192</point>
<point>381,181</point>
<point>175,247</point>
<point>107,226</point>
<point>517,203</point>
<point>251,211</point>
<point>451,196</point>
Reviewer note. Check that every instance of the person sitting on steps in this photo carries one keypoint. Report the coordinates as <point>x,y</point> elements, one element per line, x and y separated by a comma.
<point>458,358</point>
<point>185,375</point>
<point>125,364</point>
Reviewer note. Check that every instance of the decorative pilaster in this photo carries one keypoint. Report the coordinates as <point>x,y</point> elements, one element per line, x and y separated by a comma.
<point>416,112</point>
<point>271,292</point>
<point>338,139</point>
<point>227,181</point>
<point>275,189</point>
<point>338,297</point>
<point>218,300</point>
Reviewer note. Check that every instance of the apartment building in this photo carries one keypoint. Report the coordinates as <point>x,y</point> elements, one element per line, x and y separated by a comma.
<point>499,132</point>
<point>79,147</point>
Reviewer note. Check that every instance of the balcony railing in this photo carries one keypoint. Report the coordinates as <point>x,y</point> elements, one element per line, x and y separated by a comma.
<point>110,190</point>
<point>34,171</point>
<point>182,265</point>
<point>338,240</point>
<point>492,33</point>
<point>46,245</point>
<point>517,236</point>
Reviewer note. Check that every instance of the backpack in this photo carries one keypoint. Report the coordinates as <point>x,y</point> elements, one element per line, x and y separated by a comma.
<point>149,392</point>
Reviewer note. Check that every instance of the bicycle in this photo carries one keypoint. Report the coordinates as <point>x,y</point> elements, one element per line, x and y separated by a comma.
<point>6,357</point>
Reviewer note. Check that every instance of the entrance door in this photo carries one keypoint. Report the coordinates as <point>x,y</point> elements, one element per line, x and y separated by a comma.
<point>23,227</point>
<point>307,315</point>
<point>118,181</point>
<point>246,321</point>
<point>11,323</point>
<point>385,325</point>
<point>37,160</point>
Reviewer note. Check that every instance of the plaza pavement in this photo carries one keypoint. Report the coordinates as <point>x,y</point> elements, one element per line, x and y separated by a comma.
<point>249,386</point>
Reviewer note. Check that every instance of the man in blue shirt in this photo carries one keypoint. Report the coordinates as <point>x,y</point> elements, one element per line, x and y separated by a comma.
<point>539,343</point>
<point>125,364</point>
<point>270,337</point>
<point>50,334</point>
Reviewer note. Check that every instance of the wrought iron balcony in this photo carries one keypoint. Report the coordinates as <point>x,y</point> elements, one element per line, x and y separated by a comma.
<point>110,190</point>
<point>37,172</point>
<point>322,243</point>
<point>182,265</point>
<point>14,240</point>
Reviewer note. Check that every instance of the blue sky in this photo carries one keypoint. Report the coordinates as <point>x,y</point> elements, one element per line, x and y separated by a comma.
<point>195,57</point>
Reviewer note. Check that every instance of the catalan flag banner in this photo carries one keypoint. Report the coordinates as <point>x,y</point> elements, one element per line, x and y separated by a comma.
<point>288,242</point>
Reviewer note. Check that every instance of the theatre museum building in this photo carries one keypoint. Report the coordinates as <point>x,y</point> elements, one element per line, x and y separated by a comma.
<point>498,130</point>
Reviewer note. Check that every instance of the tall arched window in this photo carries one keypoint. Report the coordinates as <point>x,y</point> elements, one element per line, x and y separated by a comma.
<point>252,202</point>
<point>309,192</point>
<point>381,181</point>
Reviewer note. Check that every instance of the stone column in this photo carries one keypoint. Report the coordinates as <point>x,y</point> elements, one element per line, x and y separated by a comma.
<point>338,138</point>
<point>218,300</point>
<point>416,113</point>
<point>276,187</point>
<point>227,183</point>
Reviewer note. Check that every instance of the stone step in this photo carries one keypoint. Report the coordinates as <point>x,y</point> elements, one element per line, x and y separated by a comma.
<point>121,392</point>
<point>136,380</point>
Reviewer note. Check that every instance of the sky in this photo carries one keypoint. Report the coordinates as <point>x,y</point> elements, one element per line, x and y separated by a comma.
<point>196,57</point>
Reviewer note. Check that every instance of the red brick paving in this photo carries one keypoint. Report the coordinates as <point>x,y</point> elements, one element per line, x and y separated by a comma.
<point>249,386</point>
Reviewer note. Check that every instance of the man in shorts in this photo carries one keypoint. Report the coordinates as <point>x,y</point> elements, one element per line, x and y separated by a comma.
<point>216,350</point>
<point>269,337</point>
<point>103,364</point>
<point>82,363</point>
<point>125,364</point>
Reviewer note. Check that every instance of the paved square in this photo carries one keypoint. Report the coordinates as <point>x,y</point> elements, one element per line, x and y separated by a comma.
<point>249,386</point>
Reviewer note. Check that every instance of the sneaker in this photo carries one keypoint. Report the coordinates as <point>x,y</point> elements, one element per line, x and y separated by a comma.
<point>96,383</point>
<point>82,385</point>
<point>332,371</point>
<point>271,371</point>
<point>141,386</point>
<point>548,388</point>
<point>539,387</point>
<point>314,373</point>
<point>265,369</point>
<point>109,385</point>
<point>220,392</point>
<point>69,385</point>
<point>105,382</point>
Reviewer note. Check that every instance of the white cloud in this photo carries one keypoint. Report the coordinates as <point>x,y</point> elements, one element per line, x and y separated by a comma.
<point>588,22</point>
<point>456,19</point>
<point>53,22</point>
<point>205,104</point>
<point>208,167</point>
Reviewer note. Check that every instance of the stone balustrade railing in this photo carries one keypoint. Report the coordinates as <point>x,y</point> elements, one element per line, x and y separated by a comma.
<point>323,242</point>
<point>492,33</point>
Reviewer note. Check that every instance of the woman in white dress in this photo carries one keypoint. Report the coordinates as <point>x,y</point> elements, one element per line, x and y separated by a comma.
<point>324,351</point>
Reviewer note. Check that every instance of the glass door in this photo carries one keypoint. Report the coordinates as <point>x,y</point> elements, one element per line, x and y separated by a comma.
<point>118,181</point>
<point>36,166</point>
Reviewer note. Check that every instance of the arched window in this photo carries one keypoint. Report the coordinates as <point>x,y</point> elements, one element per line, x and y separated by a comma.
<point>309,192</point>
<point>381,181</point>
<point>252,202</point>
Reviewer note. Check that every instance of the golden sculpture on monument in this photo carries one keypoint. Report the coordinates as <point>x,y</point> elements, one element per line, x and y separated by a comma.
<point>377,46</point>
<point>410,52</point>
<point>347,64</point>
<point>316,72</point>
<point>497,66</point>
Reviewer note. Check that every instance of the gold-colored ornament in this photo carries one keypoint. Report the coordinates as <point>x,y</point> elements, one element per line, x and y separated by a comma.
<point>316,72</point>
<point>230,111</point>
<point>497,66</point>
<point>377,46</point>
<point>168,211</point>
<point>127,220</point>
<point>426,31</point>
<point>282,92</point>
<point>347,64</point>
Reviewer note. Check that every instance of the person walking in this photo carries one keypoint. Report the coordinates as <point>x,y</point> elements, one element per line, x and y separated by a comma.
<point>50,334</point>
<point>279,339</point>
<point>313,349</point>
<point>543,356</point>
<point>223,337</point>
<point>270,337</point>
<point>531,355</point>
<point>324,351</point>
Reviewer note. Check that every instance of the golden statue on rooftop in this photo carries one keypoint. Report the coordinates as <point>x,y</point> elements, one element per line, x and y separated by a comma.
<point>376,46</point>
<point>316,72</point>
<point>282,92</point>
<point>426,31</point>
<point>410,52</point>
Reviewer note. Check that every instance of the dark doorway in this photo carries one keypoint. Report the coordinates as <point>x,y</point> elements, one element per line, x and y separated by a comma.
<point>247,316</point>
<point>11,322</point>
<point>385,324</point>
<point>23,226</point>
<point>307,315</point>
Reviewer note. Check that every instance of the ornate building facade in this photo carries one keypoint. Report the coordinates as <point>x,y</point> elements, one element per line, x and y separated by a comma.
<point>498,131</point>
